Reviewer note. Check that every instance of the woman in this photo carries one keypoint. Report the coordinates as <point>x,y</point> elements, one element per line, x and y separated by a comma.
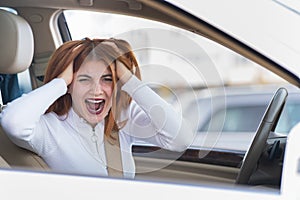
<point>92,94</point>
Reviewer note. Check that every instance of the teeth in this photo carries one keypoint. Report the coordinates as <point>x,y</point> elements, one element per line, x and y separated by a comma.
<point>94,101</point>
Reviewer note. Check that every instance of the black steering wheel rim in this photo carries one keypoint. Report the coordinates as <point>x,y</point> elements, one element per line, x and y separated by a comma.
<point>267,124</point>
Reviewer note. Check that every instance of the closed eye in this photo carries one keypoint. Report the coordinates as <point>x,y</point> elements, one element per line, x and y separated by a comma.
<point>107,77</point>
<point>83,78</point>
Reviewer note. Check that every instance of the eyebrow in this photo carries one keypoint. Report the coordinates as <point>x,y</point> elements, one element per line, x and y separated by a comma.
<point>106,75</point>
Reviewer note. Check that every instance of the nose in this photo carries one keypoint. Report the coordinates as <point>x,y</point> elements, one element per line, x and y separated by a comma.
<point>97,89</point>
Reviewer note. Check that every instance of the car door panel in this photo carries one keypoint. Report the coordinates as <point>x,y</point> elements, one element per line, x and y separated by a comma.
<point>192,166</point>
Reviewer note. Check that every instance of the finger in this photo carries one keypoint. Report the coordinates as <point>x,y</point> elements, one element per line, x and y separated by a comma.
<point>123,72</point>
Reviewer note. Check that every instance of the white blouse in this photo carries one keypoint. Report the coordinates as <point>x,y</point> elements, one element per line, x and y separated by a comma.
<point>69,144</point>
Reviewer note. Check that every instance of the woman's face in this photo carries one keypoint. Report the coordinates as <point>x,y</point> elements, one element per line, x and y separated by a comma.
<point>91,91</point>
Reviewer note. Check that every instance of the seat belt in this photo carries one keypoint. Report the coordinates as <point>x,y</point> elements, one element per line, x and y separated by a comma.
<point>113,155</point>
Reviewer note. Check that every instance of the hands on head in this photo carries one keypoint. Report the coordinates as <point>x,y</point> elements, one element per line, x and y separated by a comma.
<point>73,56</point>
<point>122,72</point>
<point>67,74</point>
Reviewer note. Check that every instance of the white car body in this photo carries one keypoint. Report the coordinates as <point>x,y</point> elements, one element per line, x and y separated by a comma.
<point>18,185</point>
<point>257,17</point>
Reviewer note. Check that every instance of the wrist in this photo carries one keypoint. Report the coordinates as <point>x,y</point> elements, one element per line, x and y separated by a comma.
<point>125,77</point>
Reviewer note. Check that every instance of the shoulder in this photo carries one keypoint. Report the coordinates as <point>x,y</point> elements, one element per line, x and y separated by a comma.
<point>52,116</point>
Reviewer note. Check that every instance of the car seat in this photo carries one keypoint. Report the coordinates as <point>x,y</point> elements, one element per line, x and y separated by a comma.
<point>16,56</point>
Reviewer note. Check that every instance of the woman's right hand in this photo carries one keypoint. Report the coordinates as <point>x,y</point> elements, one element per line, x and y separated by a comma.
<point>67,74</point>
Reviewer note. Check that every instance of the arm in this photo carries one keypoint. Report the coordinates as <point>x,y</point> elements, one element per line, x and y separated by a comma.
<point>151,119</point>
<point>154,120</point>
<point>22,116</point>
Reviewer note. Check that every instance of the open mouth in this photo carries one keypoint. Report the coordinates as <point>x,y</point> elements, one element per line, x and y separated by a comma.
<point>95,106</point>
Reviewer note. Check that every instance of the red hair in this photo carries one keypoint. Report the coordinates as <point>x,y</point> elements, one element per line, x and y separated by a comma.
<point>96,49</point>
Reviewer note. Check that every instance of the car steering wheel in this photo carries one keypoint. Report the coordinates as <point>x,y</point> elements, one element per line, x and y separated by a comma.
<point>267,124</point>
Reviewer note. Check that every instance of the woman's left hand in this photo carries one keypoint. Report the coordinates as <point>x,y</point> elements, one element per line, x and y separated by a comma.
<point>123,73</point>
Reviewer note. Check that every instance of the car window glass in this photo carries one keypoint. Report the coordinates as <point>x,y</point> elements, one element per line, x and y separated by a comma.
<point>182,67</point>
<point>238,119</point>
<point>289,118</point>
<point>185,61</point>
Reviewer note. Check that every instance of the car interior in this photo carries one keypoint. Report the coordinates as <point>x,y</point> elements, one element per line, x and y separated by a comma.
<point>14,59</point>
<point>29,41</point>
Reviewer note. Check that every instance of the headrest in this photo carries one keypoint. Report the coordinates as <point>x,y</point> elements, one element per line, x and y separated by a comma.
<point>16,43</point>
